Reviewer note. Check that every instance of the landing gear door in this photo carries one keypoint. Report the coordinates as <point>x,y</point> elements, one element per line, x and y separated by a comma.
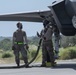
<point>70,7</point>
<point>62,18</point>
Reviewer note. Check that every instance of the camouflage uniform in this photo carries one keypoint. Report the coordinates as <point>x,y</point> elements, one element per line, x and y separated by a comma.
<point>43,49</point>
<point>48,45</point>
<point>19,39</point>
<point>57,38</point>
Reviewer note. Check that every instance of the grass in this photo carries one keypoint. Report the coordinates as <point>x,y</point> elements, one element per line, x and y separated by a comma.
<point>65,53</point>
<point>6,58</point>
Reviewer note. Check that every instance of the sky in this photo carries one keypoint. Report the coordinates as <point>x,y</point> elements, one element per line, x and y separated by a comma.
<point>13,6</point>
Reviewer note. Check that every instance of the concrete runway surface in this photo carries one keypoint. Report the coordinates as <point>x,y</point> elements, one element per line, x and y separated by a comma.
<point>62,68</point>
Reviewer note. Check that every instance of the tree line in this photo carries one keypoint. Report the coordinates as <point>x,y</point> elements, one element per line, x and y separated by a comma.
<point>65,41</point>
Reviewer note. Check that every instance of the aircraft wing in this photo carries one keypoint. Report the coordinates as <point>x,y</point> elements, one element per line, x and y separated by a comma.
<point>31,16</point>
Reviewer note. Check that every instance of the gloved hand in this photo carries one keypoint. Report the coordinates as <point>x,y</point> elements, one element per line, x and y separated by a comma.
<point>38,34</point>
<point>26,46</point>
<point>13,48</point>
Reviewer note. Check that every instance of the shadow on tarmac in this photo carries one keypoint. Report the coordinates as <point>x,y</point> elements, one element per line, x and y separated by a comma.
<point>61,65</point>
<point>58,66</point>
<point>11,67</point>
<point>64,66</point>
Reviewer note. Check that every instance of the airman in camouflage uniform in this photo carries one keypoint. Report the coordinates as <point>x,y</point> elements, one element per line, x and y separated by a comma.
<point>20,44</point>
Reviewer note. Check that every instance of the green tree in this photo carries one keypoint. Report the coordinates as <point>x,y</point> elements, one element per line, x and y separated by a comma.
<point>6,44</point>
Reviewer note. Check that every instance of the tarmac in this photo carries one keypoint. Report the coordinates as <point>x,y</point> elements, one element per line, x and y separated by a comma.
<point>67,67</point>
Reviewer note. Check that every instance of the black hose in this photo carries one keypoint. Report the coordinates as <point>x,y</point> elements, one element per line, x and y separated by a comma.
<point>36,52</point>
<point>6,67</point>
